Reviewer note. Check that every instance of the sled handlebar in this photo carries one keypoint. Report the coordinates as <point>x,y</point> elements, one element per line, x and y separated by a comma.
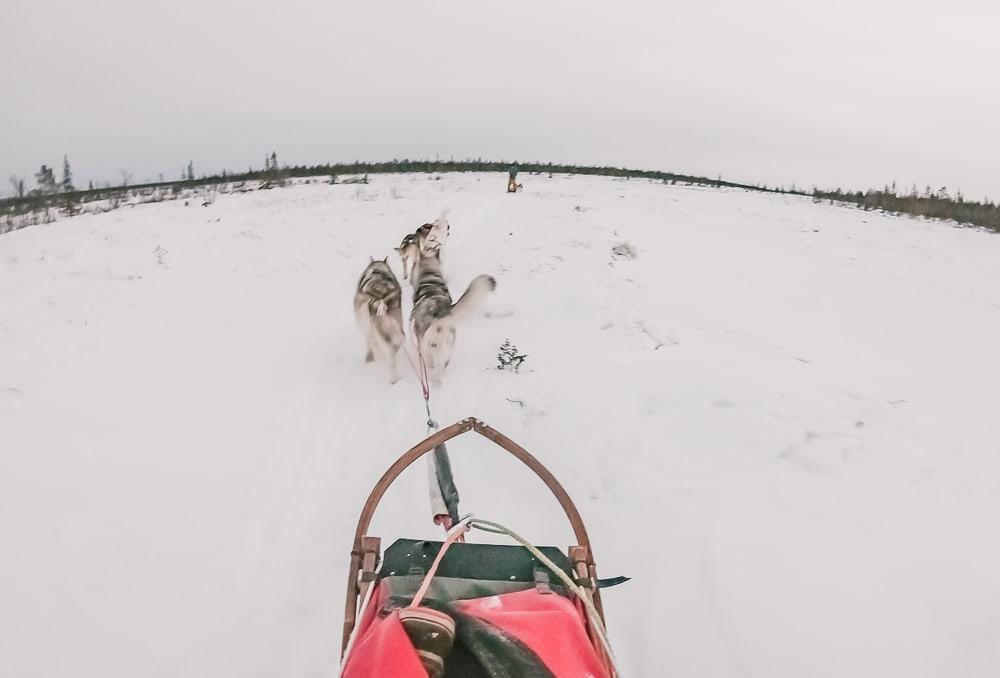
<point>446,434</point>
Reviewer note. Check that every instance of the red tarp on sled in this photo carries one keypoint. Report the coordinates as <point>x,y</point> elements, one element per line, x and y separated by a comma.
<point>549,624</point>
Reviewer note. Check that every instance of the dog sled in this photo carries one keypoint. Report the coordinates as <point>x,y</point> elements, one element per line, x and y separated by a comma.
<point>450,608</point>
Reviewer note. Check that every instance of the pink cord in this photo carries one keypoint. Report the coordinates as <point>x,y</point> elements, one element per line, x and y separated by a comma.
<point>457,533</point>
<point>420,371</point>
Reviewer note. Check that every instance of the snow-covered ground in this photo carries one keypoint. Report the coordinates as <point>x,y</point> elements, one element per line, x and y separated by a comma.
<point>781,419</point>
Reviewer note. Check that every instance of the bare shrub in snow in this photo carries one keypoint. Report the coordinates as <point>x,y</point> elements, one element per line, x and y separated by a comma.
<point>160,252</point>
<point>624,250</point>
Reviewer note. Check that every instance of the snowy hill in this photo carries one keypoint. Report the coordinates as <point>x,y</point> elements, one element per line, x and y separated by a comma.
<point>780,418</point>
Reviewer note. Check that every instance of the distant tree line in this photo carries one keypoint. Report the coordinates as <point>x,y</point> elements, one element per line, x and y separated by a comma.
<point>929,203</point>
<point>50,193</point>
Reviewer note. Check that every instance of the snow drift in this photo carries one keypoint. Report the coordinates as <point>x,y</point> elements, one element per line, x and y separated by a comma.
<point>778,416</point>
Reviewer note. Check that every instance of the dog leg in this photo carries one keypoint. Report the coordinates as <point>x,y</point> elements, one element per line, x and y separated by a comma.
<point>393,366</point>
<point>430,356</point>
<point>434,367</point>
<point>385,353</point>
<point>425,349</point>
<point>363,320</point>
<point>445,349</point>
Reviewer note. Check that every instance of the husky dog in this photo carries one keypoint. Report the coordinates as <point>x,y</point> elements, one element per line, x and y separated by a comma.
<point>409,252</point>
<point>426,240</point>
<point>434,317</point>
<point>379,314</point>
<point>433,236</point>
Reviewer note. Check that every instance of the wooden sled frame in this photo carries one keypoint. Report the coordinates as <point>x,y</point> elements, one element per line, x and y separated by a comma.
<point>366,550</point>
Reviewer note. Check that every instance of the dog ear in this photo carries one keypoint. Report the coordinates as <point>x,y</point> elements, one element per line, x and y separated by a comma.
<point>371,259</point>
<point>386,260</point>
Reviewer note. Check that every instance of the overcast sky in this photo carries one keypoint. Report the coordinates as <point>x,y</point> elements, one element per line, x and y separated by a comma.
<point>853,93</point>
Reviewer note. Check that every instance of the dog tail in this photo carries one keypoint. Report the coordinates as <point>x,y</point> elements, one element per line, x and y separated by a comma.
<point>474,297</point>
<point>379,307</point>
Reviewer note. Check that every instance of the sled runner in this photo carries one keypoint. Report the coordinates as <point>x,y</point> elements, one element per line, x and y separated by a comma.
<point>429,608</point>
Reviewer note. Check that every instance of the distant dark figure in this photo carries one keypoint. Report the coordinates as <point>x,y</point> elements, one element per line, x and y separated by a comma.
<point>512,185</point>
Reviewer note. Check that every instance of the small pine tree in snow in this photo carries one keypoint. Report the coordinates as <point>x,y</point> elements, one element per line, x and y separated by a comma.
<point>508,358</point>
<point>18,185</point>
<point>46,180</point>
<point>66,186</point>
<point>272,175</point>
<point>67,178</point>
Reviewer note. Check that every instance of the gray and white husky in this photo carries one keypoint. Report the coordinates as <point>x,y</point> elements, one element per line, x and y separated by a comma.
<point>434,317</point>
<point>426,240</point>
<point>379,314</point>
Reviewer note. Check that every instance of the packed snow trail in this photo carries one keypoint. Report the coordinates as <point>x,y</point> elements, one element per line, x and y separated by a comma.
<point>778,417</point>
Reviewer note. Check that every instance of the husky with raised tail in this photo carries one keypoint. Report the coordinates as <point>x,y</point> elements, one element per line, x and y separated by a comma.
<point>434,317</point>
<point>379,313</point>
<point>426,240</point>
